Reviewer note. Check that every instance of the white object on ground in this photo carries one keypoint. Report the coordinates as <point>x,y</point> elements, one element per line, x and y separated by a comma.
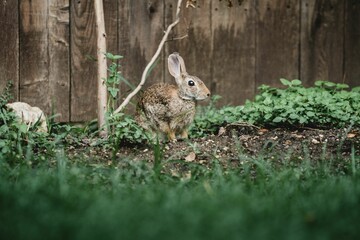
<point>29,115</point>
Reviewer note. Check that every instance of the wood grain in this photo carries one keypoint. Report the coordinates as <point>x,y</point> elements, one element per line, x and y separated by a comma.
<point>34,54</point>
<point>196,49</point>
<point>141,28</point>
<point>352,43</point>
<point>277,41</point>
<point>322,40</point>
<point>111,9</point>
<point>51,58</point>
<point>9,52</point>
<point>59,58</point>
<point>233,51</point>
<point>83,61</point>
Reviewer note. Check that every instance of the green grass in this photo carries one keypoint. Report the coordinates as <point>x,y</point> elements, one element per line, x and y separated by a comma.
<point>127,200</point>
<point>46,194</point>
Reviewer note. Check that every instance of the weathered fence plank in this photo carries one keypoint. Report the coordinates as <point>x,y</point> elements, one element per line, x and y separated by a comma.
<point>52,59</point>
<point>59,58</point>
<point>196,47</point>
<point>277,41</point>
<point>83,64</point>
<point>322,40</point>
<point>352,43</point>
<point>141,28</point>
<point>111,9</point>
<point>9,39</point>
<point>34,54</point>
<point>233,51</point>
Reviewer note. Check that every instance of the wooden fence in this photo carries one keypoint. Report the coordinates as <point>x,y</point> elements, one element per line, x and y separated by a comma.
<point>48,46</point>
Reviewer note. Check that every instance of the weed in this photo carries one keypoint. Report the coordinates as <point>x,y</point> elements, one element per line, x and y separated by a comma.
<point>91,201</point>
<point>209,119</point>
<point>125,130</point>
<point>22,144</point>
<point>44,193</point>
<point>325,105</point>
<point>113,80</point>
<point>6,95</point>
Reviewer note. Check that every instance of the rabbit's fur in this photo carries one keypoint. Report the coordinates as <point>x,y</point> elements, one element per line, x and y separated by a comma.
<point>170,109</point>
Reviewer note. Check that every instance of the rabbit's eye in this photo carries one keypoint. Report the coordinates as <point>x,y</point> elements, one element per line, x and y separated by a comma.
<point>191,83</point>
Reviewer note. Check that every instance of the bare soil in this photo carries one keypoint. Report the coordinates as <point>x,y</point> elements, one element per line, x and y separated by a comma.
<point>238,143</point>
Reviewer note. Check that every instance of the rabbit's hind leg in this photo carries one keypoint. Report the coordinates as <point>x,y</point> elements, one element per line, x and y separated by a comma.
<point>171,136</point>
<point>184,134</point>
<point>169,132</point>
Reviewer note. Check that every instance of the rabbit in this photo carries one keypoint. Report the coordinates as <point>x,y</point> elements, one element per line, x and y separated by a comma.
<point>170,109</point>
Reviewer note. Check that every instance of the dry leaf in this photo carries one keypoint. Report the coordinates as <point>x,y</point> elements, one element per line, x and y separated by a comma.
<point>262,131</point>
<point>174,173</point>
<point>191,157</point>
<point>314,141</point>
<point>222,131</point>
<point>202,161</point>
<point>274,138</point>
<point>186,176</point>
<point>351,135</point>
<point>297,135</point>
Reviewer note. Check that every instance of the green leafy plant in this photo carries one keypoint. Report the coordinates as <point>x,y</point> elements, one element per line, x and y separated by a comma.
<point>325,105</point>
<point>122,127</point>
<point>23,144</point>
<point>114,79</point>
<point>125,129</point>
<point>209,119</point>
<point>20,142</point>
<point>6,95</point>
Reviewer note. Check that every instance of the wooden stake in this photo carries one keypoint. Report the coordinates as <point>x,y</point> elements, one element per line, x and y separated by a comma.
<point>102,67</point>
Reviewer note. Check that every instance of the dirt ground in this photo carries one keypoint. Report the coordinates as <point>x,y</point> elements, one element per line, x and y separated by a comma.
<point>237,143</point>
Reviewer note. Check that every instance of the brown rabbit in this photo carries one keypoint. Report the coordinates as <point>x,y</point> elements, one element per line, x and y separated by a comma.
<point>170,109</point>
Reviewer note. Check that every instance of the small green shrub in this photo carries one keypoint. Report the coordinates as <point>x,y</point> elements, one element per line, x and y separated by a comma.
<point>114,79</point>
<point>125,129</point>
<point>18,141</point>
<point>23,144</point>
<point>209,119</point>
<point>325,105</point>
<point>122,127</point>
<point>6,95</point>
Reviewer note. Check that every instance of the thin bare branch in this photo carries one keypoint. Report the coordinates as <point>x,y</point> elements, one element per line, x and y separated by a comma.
<point>153,59</point>
<point>178,38</point>
<point>191,3</point>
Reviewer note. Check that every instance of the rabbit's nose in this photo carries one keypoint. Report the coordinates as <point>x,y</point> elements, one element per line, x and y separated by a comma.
<point>208,94</point>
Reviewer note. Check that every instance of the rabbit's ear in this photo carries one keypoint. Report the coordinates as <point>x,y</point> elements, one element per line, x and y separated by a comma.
<point>182,65</point>
<point>176,65</point>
